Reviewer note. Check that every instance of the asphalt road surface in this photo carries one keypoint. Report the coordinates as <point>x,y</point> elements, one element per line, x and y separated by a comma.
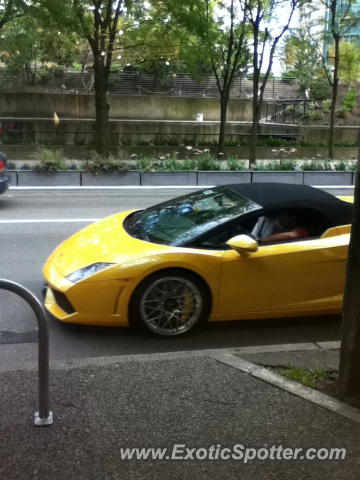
<point>34,222</point>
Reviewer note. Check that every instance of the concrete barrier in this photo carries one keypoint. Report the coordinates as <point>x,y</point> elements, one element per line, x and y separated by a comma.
<point>169,178</point>
<point>223,178</point>
<point>110,179</point>
<point>51,179</point>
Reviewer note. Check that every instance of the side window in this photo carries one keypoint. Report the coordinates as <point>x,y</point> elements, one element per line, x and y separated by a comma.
<point>288,225</point>
<point>218,239</point>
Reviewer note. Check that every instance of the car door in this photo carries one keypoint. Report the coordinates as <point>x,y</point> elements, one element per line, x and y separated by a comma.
<point>293,277</point>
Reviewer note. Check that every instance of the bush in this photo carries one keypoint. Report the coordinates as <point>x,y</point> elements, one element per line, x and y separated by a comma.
<point>315,165</point>
<point>340,166</point>
<point>207,162</point>
<point>233,164</point>
<point>276,142</point>
<point>144,164</point>
<point>187,164</point>
<point>320,90</point>
<point>276,165</point>
<point>99,163</point>
<point>349,101</point>
<point>326,105</point>
<point>50,160</point>
<point>345,165</point>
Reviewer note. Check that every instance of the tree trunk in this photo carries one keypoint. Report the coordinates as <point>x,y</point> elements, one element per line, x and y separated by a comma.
<point>224,101</point>
<point>332,116</point>
<point>255,122</point>
<point>102,130</point>
<point>349,376</point>
<point>334,95</point>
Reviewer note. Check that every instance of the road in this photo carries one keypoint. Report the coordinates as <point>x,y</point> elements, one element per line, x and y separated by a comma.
<point>34,222</point>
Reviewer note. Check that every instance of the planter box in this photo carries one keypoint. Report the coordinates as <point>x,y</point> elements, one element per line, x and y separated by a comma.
<point>328,178</point>
<point>110,179</point>
<point>49,179</point>
<point>190,178</point>
<point>169,178</point>
<point>278,176</point>
<point>12,174</point>
<point>223,178</point>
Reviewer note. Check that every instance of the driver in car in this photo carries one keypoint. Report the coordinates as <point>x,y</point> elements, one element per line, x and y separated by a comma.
<point>284,226</point>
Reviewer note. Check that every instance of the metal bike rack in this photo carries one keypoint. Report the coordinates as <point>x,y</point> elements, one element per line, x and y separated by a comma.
<point>44,416</point>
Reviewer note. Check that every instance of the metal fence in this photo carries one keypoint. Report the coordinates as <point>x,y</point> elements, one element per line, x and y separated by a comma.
<point>179,85</point>
<point>296,111</point>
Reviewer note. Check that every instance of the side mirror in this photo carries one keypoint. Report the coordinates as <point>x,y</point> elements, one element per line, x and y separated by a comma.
<point>243,244</point>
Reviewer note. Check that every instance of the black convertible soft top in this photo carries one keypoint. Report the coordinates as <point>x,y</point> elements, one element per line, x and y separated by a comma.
<point>275,196</point>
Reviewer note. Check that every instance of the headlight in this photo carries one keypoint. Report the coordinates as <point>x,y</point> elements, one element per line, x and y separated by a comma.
<point>87,271</point>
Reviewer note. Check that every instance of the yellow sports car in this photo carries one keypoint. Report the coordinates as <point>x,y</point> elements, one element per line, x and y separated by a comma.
<point>224,253</point>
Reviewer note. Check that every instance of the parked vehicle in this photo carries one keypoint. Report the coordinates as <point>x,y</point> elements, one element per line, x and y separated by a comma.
<point>4,178</point>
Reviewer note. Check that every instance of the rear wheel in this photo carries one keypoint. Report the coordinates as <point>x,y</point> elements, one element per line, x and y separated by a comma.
<point>170,303</point>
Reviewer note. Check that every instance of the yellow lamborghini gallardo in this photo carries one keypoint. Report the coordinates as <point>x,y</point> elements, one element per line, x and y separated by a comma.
<point>215,254</point>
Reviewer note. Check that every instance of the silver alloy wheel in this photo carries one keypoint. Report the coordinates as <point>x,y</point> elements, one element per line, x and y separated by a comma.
<point>171,305</point>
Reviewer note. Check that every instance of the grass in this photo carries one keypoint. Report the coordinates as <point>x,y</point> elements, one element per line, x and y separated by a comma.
<point>304,376</point>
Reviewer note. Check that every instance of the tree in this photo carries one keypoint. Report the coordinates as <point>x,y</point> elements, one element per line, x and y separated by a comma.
<point>349,62</point>
<point>100,29</point>
<point>97,21</point>
<point>112,29</point>
<point>30,44</point>
<point>11,9</point>
<point>340,18</point>
<point>266,36</point>
<point>349,373</point>
<point>213,38</point>
<point>301,60</point>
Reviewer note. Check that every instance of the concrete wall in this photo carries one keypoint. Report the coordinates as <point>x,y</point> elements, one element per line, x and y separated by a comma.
<point>80,132</point>
<point>25,153</point>
<point>127,107</point>
<point>316,133</point>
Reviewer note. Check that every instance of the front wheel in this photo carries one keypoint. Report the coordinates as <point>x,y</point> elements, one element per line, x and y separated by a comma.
<point>170,304</point>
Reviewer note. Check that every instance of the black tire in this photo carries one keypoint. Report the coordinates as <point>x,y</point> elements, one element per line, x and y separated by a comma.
<point>180,303</point>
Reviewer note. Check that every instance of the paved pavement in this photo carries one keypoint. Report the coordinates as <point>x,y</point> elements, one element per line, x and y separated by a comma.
<point>188,399</point>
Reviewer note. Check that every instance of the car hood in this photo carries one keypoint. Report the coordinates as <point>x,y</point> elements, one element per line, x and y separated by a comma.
<point>103,241</point>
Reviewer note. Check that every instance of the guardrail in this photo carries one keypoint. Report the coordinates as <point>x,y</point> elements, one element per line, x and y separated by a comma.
<point>44,416</point>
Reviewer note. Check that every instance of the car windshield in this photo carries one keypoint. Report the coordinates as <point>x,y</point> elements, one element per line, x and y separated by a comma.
<point>181,220</point>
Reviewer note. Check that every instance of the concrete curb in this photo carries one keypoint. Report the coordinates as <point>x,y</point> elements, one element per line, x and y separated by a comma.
<point>111,187</point>
<point>290,386</point>
<point>145,187</point>
<point>151,357</point>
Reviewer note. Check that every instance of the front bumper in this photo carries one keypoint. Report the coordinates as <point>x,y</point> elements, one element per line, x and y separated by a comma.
<point>92,303</point>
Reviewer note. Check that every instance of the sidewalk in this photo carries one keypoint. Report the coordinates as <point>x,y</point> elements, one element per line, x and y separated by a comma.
<point>101,405</point>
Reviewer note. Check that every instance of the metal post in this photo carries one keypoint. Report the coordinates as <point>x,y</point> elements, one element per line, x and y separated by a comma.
<point>44,416</point>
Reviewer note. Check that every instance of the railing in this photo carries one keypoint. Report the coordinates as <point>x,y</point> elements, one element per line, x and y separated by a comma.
<point>44,416</point>
<point>290,111</point>
<point>127,83</point>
